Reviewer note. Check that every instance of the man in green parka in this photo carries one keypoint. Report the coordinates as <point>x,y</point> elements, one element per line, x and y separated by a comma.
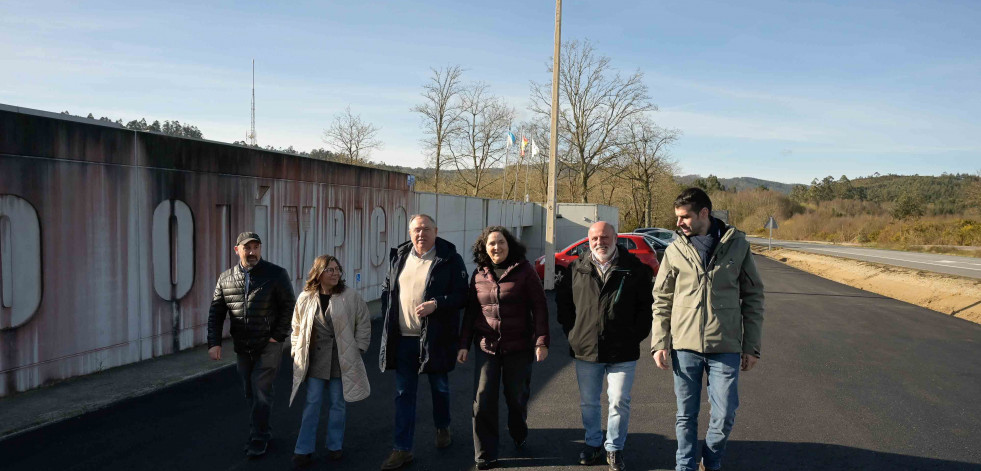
<point>708,318</point>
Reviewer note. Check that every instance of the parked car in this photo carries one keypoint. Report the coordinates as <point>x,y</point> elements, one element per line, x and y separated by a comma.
<point>659,245</point>
<point>666,235</point>
<point>645,248</point>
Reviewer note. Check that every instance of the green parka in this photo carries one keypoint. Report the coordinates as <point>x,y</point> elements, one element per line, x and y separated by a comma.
<point>714,311</point>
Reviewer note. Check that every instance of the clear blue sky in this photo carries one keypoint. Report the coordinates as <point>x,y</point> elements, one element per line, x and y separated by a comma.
<point>786,91</point>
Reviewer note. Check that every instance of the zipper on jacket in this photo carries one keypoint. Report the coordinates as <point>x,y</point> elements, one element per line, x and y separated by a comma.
<point>245,304</point>
<point>424,323</point>
<point>616,299</point>
<point>704,308</point>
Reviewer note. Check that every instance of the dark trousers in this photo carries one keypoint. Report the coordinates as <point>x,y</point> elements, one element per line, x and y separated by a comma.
<point>406,384</point>
<point>514,371</point>
<point>257,371</point>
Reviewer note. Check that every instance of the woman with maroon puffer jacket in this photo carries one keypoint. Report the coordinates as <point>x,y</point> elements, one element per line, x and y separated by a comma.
<point>506,318</point>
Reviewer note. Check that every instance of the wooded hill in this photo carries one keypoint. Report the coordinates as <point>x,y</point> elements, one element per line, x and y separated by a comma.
<point>738,183</point>
<point>944,194</point>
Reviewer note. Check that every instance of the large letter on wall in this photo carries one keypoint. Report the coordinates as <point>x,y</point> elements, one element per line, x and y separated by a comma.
<point>172,242</point>
<point>260,224</point>
<point>20,261</point>
<point>291,259</point>
<point>337,235</point>
<point>377,244</point>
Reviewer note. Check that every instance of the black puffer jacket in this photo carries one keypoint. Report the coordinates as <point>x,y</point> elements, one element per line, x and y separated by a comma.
<point>447,284</point>
<point>265,313</point>
<point>605,322</point>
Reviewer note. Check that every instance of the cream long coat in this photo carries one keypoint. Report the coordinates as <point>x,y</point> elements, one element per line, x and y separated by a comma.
<point>352,332</point>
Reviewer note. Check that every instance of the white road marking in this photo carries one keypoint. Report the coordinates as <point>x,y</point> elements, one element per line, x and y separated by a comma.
<point>892,258</point>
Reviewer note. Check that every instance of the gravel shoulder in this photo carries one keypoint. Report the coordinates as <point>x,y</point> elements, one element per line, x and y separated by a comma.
<point>951,295</point>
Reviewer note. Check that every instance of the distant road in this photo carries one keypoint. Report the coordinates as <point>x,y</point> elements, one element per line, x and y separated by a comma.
<point>967,267</point>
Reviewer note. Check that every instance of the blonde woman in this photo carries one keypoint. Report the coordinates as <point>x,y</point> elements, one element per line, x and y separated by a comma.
<point>331,331</point>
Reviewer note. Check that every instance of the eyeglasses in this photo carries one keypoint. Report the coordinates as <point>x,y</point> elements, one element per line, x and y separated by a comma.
<point>331,270</point>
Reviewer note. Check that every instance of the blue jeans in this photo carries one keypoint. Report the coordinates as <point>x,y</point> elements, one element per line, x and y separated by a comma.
<point>723,376</point>
<point>406,384</point>
<point>620,379</point>
<point>336,415</point>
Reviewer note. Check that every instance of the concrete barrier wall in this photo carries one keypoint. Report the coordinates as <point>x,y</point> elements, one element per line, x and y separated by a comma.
<point>460,219</point>
<point>111,240</point>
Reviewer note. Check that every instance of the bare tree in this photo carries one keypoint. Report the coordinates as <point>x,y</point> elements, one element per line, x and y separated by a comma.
<point>478,143</point>
<point>351,137</point>
<point>439,111</point>
<point>644,160</point>
<point>595,103</point>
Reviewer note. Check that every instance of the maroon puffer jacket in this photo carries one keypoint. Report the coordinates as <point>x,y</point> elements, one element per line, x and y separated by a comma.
<point>506,315</point>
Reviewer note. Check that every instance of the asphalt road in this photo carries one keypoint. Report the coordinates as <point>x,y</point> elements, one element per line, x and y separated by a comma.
<point>849,380</point>
<point>968,267</point>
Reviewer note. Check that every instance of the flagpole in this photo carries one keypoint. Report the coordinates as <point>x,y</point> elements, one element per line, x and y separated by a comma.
<point>517,170</point>
<point>527,167</point>
<point>504,178</point>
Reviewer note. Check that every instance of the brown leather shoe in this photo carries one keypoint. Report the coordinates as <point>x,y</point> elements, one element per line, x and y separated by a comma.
<point>701,467</point>
<point>443,438</point>
<point>397,459</point>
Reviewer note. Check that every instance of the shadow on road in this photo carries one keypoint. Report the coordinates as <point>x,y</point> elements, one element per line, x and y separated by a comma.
<point>202,424</point>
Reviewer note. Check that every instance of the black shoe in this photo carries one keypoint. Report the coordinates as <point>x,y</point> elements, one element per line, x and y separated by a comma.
<point>257,448</point>
<point>486,464</point>
<point>300,461</point>
<point>443,437</point>
<point>591,455</point>
<point>334,455</point>
<point>520,444</point>
<point>615,460</point>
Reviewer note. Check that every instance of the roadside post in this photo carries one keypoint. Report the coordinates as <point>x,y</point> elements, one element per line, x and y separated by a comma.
<point>771,224</point>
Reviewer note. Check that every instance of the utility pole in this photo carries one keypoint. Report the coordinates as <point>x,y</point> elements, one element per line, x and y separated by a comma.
<point>553,144</point>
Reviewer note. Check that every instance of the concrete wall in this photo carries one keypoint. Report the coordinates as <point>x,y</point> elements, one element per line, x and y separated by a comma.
<point>111,240</point>
<point>460,220</point>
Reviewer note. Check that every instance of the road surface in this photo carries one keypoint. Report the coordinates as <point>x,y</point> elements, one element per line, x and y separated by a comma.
<point>967,267</point>
<point>849,380</point>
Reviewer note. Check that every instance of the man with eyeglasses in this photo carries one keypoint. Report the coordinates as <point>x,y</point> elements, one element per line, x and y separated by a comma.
<point>421,301</point>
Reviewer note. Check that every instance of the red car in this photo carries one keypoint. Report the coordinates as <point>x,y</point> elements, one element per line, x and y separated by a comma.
<point>637,244</point>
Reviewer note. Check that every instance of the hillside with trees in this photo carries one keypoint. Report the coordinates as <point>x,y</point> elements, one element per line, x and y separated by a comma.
<point>897,211</point>
<point>735,184</point>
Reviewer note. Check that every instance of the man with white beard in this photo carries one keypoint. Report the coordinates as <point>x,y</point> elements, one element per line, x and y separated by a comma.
<point>604,306</point>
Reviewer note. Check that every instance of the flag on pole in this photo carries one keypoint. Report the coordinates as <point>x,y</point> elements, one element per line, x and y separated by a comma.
<point>534,148</point>
<point>510,139</point>
<point>524,143</point>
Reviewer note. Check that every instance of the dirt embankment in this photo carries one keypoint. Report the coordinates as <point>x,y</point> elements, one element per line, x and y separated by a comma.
<point>960,297</point>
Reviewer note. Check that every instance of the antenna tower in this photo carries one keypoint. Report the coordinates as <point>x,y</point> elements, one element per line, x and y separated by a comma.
<point>250,137</point>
